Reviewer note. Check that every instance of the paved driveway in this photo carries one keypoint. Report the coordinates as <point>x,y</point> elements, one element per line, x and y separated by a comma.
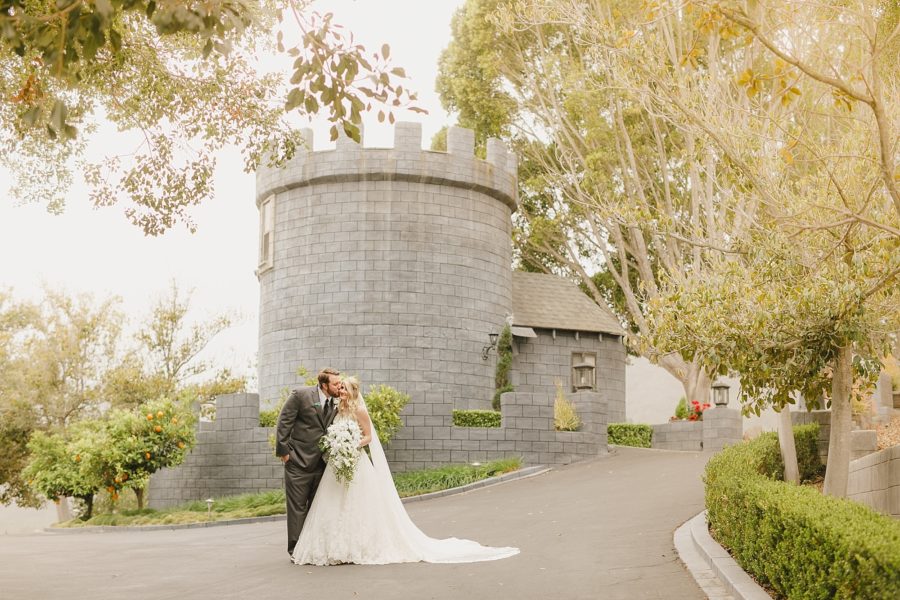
<point>600,529</point>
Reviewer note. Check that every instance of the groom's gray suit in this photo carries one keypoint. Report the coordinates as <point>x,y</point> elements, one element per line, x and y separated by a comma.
<point>300,425</point>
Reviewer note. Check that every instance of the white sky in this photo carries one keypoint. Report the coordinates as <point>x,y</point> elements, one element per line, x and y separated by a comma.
<point>100,252</point>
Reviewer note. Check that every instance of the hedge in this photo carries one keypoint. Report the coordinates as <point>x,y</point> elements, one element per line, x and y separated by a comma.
<point>793,539</point>
<point>268,418</point>
<point>629,434</point>
<point>476,418</point>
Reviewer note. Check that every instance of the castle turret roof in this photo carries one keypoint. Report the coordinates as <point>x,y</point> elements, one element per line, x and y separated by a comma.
<point>551,302</point>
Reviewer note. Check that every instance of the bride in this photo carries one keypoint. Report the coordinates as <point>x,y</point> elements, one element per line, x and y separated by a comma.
<point>365,522</point>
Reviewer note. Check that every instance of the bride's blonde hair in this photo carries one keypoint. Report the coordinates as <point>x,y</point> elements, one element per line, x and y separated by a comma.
<point>350,405</point>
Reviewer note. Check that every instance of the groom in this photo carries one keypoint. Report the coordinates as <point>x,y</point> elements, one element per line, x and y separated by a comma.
<point>306,415</point>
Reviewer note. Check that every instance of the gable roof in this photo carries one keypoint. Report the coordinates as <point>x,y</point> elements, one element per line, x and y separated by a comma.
<point>551,302</point>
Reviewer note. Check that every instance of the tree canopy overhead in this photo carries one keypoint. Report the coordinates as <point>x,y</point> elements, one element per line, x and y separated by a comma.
<point>184,76</point>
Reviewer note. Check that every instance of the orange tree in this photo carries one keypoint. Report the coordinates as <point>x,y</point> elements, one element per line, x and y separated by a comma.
<point>59,466</point>
<point>139,442</point>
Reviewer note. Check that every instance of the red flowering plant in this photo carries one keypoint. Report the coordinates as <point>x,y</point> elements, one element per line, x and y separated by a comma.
<point>696,411</point>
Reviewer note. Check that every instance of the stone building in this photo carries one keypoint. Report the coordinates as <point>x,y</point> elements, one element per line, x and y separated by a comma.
<point>394,264</point>
<point>557,328</point>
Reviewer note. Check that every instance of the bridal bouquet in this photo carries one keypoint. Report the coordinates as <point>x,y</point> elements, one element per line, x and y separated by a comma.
<point>340,444</point>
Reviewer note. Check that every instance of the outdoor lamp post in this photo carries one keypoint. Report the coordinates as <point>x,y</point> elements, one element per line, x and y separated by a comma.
<point>584,376</point>
<point>720,393</point>
<point>490,345</point>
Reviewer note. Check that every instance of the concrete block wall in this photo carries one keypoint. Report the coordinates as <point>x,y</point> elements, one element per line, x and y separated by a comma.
<point>721,427</point>
<point>538,363</point>
<point>526,431</point>
<point>875,481</point>
<point>678,435</point>
<point>389,263</point>
<point>862,441</point>
<point>232,456</point>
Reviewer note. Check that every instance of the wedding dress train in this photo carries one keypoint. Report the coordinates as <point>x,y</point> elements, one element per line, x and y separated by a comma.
<point>366,523</point>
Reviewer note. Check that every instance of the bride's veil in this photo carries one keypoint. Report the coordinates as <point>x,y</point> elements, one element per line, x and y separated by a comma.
<point>450,550</point>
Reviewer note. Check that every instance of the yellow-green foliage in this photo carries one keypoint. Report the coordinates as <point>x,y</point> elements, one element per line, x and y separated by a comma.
<point>564,416</point>
<point>792,538</point>
<point>476,418</point>
<point>384,404</point>
<point>629,434</point>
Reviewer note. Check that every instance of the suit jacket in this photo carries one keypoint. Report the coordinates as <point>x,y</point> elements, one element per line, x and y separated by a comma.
<point>300,425</point>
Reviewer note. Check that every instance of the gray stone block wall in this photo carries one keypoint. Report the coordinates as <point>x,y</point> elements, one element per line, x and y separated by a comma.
<point>539,362</point>
<point>232,456</point>
<point>875,481</point>
<point>392,264</point>
<point>678,435</point>
<point>721,427</point>
<point>527,431</point>
<point>862,441</point>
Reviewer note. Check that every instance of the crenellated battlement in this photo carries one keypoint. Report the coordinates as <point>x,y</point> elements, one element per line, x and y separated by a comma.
<point>349,161</point>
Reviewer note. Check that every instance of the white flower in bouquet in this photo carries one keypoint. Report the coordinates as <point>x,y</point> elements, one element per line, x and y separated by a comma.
<point>340,444</point>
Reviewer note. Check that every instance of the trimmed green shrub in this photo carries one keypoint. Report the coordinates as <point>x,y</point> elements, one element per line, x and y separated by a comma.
<point>476,418</point>
<point>629,434</point>
<point>793,539</point>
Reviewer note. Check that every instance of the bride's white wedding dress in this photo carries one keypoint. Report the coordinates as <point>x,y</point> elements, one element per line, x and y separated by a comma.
<point>366,523</point>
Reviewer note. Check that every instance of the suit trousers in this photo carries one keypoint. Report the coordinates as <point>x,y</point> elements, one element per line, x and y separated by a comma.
<point>299,490</point>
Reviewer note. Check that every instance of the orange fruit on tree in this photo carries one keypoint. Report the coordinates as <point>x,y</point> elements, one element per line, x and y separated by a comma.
<point>147,455</point>
<point>174,421</point>
<point>181,444</point>
<point>157,429</point>
<point>149,416</point>
<point>160,414</point>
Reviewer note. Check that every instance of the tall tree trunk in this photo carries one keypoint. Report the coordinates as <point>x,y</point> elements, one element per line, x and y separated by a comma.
<point>837,472</point>
<point>788,448</point>
<point>696,382</point>
<point>139,494</point>
<point>63,511</point>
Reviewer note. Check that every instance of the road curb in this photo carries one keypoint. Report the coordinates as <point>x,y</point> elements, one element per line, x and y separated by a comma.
<point>712,567</point>
<point>519,474</point>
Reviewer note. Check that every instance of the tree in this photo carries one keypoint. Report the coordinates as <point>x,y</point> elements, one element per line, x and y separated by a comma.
<point>66,350</point>
<point>616,196</point>
<point>56,465</point>
<point>166,360</point>
<point>183,76</point>
<point>138,442</point>
<point>719,137</point>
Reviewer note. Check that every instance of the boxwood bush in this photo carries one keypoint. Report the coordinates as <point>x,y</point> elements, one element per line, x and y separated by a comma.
<point>629,434</point>
<point>476,418</point>
<point>797,541</point>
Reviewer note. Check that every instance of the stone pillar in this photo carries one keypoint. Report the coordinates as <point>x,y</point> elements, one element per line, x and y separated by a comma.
<point>721,427</point>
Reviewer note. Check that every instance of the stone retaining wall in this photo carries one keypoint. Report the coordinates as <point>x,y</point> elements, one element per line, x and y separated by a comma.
<point>233,455</point>
<point>875,481</point>
<point>720,427</point>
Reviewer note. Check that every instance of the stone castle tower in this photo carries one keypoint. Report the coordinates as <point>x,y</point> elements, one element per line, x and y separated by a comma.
<point>389,263</point>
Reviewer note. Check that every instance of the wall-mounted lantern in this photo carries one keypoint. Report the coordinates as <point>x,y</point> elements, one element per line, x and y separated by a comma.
<point>490,345</point>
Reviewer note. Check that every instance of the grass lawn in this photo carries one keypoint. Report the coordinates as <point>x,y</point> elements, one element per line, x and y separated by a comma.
<point>264,504</point>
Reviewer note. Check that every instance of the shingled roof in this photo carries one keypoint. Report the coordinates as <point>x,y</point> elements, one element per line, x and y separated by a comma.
<point>551,302</point>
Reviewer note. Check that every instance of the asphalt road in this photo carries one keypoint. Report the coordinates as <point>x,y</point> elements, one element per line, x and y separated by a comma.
<point>600,529</point>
